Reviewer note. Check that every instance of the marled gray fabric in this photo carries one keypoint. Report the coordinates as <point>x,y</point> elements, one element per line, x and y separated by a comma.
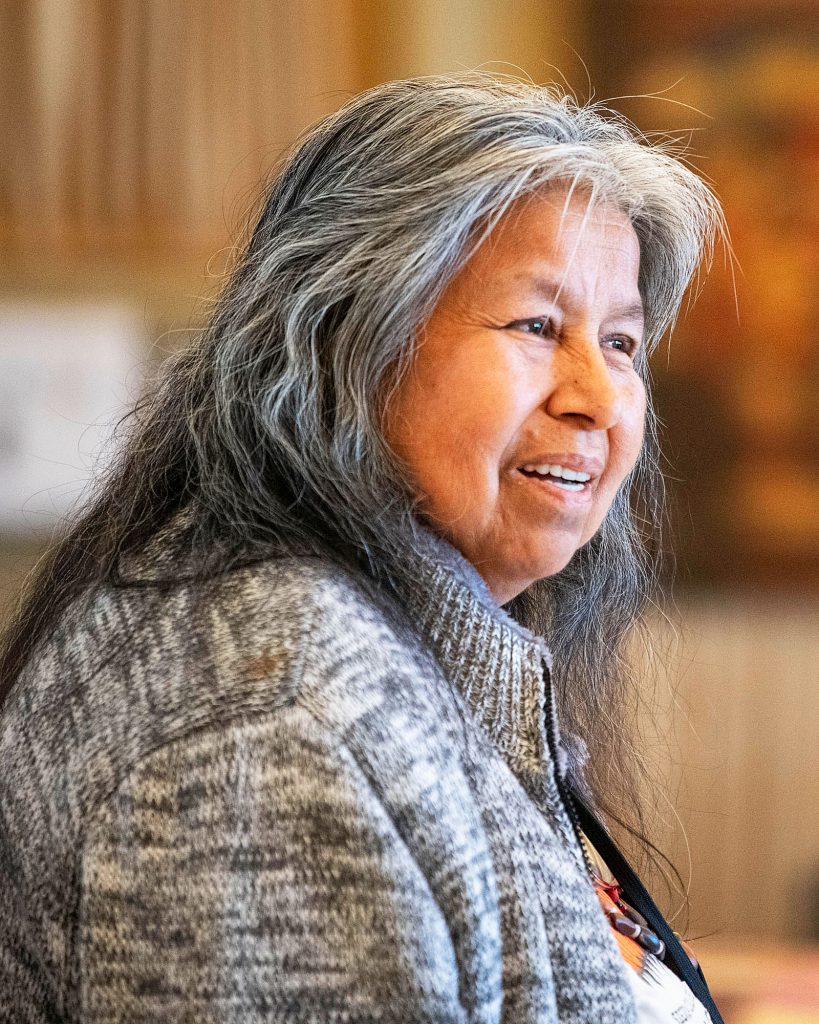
<point>279,797</point>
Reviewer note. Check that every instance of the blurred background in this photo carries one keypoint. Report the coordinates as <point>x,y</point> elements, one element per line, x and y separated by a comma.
<point>137,135</point>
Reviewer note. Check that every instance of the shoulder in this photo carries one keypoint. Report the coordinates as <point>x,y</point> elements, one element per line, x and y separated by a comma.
<point>147,663</point>
<point>135,669</point>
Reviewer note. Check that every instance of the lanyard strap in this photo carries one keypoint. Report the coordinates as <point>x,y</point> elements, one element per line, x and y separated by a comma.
<point>637,895</point>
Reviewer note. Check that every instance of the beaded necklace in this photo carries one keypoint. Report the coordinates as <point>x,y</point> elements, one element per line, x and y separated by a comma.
<point>634,936</point>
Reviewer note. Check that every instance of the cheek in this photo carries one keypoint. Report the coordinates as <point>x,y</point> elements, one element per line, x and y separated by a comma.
<point>626,440</point>
<point>637,422</point>
<point>451,424</point>
<point>632,437</point>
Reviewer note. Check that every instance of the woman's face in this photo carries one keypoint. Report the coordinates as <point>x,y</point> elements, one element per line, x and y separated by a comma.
<point>523,412</point>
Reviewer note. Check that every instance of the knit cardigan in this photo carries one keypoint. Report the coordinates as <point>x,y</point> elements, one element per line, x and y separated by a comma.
<point>285,795</point>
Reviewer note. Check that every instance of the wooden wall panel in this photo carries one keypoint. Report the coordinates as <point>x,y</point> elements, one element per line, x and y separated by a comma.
<point>149,124</point>
<point>745,771</point>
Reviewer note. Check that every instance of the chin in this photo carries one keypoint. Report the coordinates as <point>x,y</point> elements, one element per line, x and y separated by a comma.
<point>515,582</point>
<point>553,560</point>
<point>553,568</point>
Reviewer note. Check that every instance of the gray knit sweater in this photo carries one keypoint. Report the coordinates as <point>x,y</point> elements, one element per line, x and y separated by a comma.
<point>284,796</point>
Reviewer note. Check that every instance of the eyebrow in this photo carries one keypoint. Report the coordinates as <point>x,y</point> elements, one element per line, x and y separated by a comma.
<point>549,290</point>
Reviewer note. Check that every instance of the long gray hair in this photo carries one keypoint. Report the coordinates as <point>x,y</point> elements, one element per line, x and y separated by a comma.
<point>269,429</point>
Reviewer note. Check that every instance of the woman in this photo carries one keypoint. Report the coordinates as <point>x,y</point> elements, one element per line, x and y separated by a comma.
<point>283,739</point>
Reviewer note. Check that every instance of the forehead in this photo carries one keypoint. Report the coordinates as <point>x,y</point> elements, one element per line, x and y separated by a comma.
<point>557,233</point>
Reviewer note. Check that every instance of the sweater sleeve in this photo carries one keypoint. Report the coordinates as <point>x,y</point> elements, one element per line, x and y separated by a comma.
<point>251,874</point>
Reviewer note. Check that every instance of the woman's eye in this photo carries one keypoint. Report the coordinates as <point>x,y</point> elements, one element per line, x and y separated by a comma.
<point>622,343</point>
<point>540,326</point>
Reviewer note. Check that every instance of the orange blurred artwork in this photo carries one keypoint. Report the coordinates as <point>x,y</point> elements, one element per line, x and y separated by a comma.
<point>738,390</point>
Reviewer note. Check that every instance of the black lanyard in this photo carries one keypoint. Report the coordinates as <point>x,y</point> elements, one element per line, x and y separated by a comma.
<point>636,894</point>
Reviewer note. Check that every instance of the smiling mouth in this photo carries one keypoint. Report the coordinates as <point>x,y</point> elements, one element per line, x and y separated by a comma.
<point>566,479</point>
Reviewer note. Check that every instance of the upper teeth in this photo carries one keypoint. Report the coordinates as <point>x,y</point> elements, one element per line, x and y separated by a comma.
<point>559,471</point>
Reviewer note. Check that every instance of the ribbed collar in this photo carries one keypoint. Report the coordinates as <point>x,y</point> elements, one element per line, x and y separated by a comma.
<point>500,668</point>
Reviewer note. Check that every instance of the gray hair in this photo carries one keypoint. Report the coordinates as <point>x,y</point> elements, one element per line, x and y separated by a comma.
<point>270,428</point>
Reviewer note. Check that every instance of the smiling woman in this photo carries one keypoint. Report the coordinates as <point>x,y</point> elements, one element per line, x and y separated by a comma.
<point>318,712</point>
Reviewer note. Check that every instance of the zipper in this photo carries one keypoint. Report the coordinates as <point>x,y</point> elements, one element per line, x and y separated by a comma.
<point>571,809</point>
<point>558,760</point>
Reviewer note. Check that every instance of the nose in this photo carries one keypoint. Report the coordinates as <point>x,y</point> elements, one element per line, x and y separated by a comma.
<point>584,387</point>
